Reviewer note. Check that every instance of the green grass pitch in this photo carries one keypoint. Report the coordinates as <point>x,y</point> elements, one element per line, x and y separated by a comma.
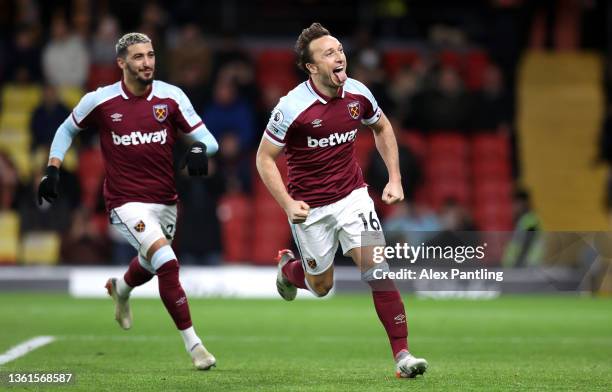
<point>511,343</point>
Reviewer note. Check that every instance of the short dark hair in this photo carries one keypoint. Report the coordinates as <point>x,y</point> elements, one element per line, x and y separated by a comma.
<point>302,44</point>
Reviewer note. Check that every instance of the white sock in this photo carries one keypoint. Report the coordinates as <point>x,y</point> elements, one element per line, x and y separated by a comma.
<point>123,290</point>
<point>190,338</point>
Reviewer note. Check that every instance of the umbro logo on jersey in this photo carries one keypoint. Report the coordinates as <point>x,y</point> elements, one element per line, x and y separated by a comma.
<point>400,319</point>
<point>116,117</point>
<point>333,139</point>
<point>138,137</point>
<point>317,123</point>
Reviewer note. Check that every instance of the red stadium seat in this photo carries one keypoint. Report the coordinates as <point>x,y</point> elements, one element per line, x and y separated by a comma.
<point>492,169</point>
<point>448,143</point>
<point>270,230</point>
<point>490,146</point>
<point>91,174</point>
<point>496,190</point>
<point>494,216</point>
<point>442,167</point>
<point>394,60</point>
<point>415,141</point>
<point>476,62</point>
<point>451,58</point>
<point>277,67</point>
<point>102,75</point>
<point>442,190</point>
<point>364,145</point>
<point>234,212</point>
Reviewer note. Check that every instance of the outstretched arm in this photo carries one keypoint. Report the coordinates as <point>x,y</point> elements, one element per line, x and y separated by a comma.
<point>62,140</point>
<point>49,184</point>
<point>297,211</point>
<point>387,148</point>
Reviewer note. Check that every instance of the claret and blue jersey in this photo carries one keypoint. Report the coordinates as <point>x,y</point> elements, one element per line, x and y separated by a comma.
<point>318,134</point>
<point>137,135</point>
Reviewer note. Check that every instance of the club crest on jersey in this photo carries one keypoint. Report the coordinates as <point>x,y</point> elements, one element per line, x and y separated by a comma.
<point>139,227</point>
<point>160,112</point>
<point>353,109</point>
<point>312,264</point>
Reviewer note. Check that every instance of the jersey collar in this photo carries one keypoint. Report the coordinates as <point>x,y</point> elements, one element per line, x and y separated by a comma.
<point>320,96</point>
<point>126,94</point>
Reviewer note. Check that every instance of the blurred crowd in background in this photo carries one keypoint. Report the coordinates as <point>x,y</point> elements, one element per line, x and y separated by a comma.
<point>444,74</point>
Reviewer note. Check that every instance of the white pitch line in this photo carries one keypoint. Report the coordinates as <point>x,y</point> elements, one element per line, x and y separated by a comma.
<point>22,349</point>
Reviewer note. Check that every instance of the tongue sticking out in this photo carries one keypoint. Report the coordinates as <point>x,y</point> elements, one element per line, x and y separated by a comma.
<point>341,76</point>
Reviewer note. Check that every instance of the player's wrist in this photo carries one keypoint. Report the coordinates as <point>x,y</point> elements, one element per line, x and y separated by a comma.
<point>286,203</point>
<point>52,172</point>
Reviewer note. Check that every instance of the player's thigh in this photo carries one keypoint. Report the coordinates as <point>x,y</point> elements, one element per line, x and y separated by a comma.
<point>167,220</point>
<point>139,224</point>
<point>359,229</point>
<point>317,244</point>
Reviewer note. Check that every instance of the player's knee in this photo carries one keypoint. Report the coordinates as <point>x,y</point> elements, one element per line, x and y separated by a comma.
<point>321,289</point>
<point>162,256</point>
<point>150,246</point>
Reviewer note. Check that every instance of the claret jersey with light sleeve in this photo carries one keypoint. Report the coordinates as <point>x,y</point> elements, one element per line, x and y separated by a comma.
<point>137,135</point>
<point>318,134</point>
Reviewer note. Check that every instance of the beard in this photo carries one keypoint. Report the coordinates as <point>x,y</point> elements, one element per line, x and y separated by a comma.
<point>139,79</point>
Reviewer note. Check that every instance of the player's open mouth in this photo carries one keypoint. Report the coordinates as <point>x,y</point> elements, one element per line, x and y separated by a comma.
<point>340,74</point>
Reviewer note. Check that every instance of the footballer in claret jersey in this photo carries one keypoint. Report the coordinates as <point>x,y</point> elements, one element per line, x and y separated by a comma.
<point>139,119</point>
<point>326,198</point>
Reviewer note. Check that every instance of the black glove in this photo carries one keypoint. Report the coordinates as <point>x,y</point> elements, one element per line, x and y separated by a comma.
<point>196,160</point>
<point>48,188</point>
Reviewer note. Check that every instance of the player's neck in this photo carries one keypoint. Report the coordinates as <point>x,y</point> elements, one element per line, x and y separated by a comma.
<point>135,87</point>
<point>328,91</point>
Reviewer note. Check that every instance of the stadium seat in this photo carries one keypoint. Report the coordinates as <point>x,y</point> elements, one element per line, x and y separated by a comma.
<point>394,60</point>
<point>441,167</point>
<point>494,216</point>
<point>451,58</point>
<point>276,67</point>
<point>15,121</point>
<point>492,169</point>
<point>19,98</point>
<point>9,237</point>
<point>364,145</point>
<point>490,146</point>
<point>234,211</point>
<point>102,75</point>
<point>448,142</point>
<point>91,173</point>
<point>492,189</point>
<point>493,204</point>
<point>70,96</point>
<point>270,230</point>
<point>415,141</point>
<point>442,190</point>
<point>476,62</point>
<point>40,248</point>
